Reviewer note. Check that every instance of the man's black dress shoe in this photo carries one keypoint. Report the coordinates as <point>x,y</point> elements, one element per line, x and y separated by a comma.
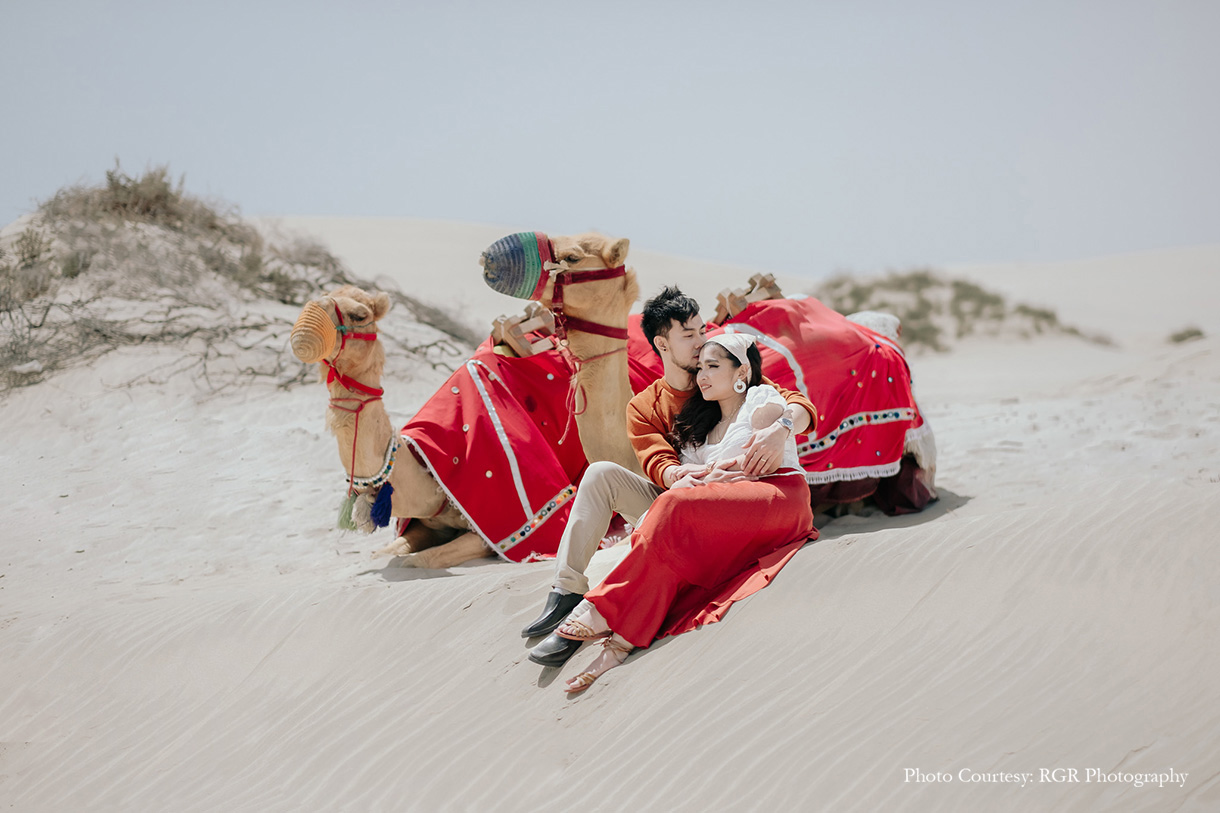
<point>558,605</point>
<point>554,650</point>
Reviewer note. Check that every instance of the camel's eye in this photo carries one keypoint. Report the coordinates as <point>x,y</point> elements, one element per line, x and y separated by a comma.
<point>572,258</point>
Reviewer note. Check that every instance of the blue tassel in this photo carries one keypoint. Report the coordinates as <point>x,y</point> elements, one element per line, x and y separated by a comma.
<point>381,508</point>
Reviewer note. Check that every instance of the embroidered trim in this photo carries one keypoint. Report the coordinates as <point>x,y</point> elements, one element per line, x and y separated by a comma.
<point>536,520</point>
<point>379,479</point>
<point>860,473</point>
<point>453,500</point>
<point>853,422</point>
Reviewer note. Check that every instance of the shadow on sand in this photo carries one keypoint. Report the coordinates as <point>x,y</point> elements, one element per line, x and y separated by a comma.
<point>395,572</point>
<point>874,520</point>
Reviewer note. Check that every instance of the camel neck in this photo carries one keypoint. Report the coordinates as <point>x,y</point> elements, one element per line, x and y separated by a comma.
<point>362,429</point>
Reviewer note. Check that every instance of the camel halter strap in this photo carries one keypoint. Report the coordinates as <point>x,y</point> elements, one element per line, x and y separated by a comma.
<point>564,322</point>
<point>352,385</point>
<point>332,372</point>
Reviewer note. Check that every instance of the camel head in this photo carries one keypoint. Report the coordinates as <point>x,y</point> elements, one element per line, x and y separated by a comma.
<point>525,265</point>
<point>328,325</point>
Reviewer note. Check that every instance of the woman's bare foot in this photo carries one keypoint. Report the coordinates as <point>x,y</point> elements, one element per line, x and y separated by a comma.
<point>588,626</point>
<point>615,650</point>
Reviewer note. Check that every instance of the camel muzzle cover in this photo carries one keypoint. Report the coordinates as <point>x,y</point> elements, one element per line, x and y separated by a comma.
<point>517,264</point>
<point>313,334</point>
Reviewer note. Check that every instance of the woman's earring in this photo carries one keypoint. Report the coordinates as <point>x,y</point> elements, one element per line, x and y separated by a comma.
<point>739,386</point>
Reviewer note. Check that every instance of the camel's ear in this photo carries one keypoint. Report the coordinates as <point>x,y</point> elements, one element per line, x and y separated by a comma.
<point>615,254</point>
<point>381,306</point>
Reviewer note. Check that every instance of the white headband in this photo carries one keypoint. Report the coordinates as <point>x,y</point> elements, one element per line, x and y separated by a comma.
<point>737,344</point>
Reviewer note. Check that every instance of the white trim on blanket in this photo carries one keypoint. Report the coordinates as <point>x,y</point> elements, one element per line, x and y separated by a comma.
<point>858,473</point>
<point>851,422</point>
<point>879,339</point>
<point>778,347</point>
<point>474,526</point>
<point>526,508</point>
<point>535,521</point>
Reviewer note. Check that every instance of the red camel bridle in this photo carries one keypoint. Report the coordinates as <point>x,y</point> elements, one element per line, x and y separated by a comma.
<point>565,322</point>
<point>352,385</point>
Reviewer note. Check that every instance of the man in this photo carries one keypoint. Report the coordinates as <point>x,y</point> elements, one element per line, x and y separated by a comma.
<point>673,327</point>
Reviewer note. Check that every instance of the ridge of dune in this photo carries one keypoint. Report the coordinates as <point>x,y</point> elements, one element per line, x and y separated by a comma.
<point>1137,297</point>
<point>426,256</point>
<point>182,628</point>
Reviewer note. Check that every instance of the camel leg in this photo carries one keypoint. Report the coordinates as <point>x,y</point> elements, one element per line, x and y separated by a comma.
<point>417,537</point>
<point>466,547</point>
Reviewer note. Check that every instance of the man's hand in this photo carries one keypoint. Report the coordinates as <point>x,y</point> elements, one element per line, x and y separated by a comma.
<point>673,474</point>
<point>765,450</point>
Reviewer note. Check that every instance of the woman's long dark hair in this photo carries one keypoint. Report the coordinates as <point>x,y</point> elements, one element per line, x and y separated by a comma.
<point>699,416</point>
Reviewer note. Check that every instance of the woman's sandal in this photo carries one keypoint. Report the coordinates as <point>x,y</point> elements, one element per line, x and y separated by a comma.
<point>585,679</point>
<point>581,631</point>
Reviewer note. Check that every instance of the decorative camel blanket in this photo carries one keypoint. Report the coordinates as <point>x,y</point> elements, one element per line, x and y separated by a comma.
<point>493,437</point>
<point>858,380</point>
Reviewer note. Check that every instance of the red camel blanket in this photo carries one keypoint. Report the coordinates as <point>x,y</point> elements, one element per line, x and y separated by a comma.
<point>493,437</point>
<point>858,380</point>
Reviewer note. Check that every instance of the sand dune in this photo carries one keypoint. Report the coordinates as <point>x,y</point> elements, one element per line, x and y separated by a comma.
<point>182,629</point>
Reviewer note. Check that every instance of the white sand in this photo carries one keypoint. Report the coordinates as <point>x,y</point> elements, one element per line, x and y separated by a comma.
<point>181,629</point>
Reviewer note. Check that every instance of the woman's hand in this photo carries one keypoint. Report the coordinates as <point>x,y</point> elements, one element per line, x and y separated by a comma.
<point>727,476</point>
<point>690,480</point>
<point>675,473</point>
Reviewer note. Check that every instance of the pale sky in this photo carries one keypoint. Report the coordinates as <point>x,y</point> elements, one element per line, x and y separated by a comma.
<point>802,137</point>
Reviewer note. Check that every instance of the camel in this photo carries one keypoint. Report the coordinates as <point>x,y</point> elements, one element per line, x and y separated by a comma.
<point>602,386</point>
<point>604,373</point>
<point>350,350</point>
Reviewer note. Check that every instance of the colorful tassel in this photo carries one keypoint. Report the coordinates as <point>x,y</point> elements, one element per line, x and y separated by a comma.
<point>345,513</point>
<point>382,507</point>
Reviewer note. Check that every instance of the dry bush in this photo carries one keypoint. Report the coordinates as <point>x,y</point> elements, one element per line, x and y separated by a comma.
<point>936,311</point>
<point>140,261</point>
<point>1186,334</point>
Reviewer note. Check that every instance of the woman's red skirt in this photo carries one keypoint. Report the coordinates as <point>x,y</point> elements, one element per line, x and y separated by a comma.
<point>700,549</point>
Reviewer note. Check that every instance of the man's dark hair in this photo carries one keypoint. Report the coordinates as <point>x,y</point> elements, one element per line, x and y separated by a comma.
<point>660,312</point>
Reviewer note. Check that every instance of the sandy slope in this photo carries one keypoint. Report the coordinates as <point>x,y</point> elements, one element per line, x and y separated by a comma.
<point>180,628</point>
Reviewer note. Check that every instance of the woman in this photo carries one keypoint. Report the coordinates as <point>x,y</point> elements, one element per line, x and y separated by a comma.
<point>713,538</point>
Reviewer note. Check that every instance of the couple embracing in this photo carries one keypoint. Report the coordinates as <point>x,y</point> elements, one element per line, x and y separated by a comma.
<point>726,498</point>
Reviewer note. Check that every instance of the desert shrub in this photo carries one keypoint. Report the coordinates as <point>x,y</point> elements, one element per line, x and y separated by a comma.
<point>1186,334</point>
<point>932,308</point>
<point>138,260</point>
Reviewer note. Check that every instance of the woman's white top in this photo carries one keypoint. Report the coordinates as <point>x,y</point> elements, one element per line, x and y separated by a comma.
<point>739,431</point>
